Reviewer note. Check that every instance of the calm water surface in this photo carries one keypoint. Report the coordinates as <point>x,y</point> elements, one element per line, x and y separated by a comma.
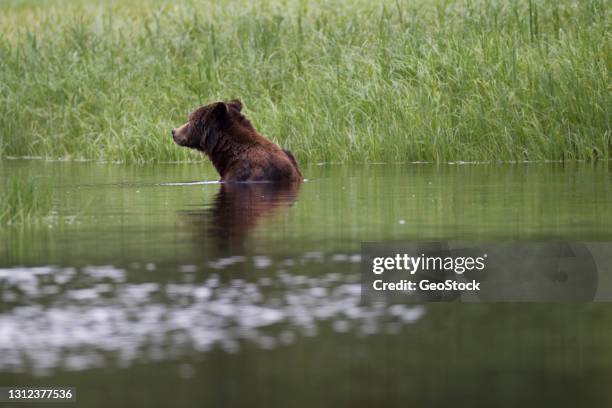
<point>156,286</point>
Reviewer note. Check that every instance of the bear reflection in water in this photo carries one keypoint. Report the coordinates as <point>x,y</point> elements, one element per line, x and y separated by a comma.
<point>236,210</point>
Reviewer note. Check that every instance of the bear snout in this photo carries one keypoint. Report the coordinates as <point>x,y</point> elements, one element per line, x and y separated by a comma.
<point>175,138</point>
<point>179,135</point>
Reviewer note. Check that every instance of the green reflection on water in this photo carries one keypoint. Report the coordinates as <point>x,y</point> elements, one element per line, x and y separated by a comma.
<point>464,355</point>
<point>126,213</point>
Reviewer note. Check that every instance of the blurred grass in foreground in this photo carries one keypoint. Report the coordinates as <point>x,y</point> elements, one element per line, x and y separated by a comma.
<point>333,81</point>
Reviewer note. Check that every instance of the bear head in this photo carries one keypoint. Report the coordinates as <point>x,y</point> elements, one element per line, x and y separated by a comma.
<point>206,124</point>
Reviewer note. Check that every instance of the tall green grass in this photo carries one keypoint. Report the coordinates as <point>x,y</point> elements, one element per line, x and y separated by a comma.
<point>333,81</point>
<point>24,201</point>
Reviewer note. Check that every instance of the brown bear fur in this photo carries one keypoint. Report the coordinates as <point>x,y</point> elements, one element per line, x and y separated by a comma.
<point>236,149</point>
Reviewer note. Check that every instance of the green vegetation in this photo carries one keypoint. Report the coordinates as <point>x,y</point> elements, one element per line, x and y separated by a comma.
<point>333,81</point>
<point>24,201</point>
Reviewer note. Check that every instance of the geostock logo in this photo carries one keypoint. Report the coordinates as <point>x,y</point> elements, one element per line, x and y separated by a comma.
<point>493,272</point>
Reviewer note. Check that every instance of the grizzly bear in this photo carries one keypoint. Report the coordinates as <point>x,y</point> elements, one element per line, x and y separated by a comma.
<point>236,149</point>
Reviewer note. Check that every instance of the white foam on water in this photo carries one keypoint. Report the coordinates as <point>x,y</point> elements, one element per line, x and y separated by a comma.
<point>190,183</point>
<point>65,318</point>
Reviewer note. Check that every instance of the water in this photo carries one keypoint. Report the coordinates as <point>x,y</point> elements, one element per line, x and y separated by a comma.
<point>157,286</point>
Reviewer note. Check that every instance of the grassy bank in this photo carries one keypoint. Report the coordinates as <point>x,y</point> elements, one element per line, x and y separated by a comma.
<point>24,201</point>
<point>333,81</point>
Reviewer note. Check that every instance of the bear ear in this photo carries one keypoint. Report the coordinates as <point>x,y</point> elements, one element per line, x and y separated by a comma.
<point>220,109</point>
<point>236,104</point>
